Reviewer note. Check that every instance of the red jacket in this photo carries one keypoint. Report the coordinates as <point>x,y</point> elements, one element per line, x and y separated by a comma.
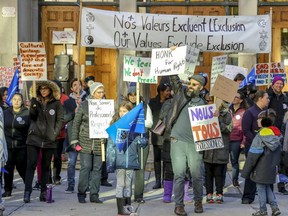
<point>237,133</point>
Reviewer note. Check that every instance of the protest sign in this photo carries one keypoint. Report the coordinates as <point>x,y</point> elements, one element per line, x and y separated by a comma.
<point>64,37</point>
<point>225,88</point>
<point>100,116</point>
<point>33,61</point>
<point>218,67</point>
<point>261,72</point>
<point>146,31</point>
<point>137,69</point>
<point>231,71</point>
<point>167,61</point>
<point>6,75</point>
<point>191,62</point>
<point>205,127</point>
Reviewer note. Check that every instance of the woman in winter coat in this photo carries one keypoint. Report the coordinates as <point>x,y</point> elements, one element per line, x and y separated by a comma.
<point>3,155</point>
<point>125,161</point>
<point>3,97</point>
<point>237,139</point>
<point>16,125</point>
<point>89,148</point>
<point>216,160</point>
<point>47,118</point>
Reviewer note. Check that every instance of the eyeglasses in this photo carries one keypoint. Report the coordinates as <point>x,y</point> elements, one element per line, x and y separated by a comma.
<point>44,88</point>
<point>100,92</point>
<point>194,84</point>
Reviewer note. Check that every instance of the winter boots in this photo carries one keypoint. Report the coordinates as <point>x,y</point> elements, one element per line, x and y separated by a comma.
<point>123,207</point>
<point>168,188</point>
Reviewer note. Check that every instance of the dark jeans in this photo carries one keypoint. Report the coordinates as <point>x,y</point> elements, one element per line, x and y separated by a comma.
<point>250,186</point>
<point>16,157</point>
<point>214,171</point>
<point>58,159</point>
<point>168,171</point>
<point>234,158</point>
<point>32,157</point>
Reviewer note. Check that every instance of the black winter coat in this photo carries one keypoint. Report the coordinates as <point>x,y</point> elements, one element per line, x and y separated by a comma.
<point>16,127</point>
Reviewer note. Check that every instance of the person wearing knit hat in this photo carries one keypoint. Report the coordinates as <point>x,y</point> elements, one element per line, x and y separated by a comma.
<point>182,143</point>
<point>279,103</point>
<point>88,148</point>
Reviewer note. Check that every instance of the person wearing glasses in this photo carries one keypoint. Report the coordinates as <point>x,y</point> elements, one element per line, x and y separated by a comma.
<point>46,121</point>
<point>89,149</point>
<point>182,142</point>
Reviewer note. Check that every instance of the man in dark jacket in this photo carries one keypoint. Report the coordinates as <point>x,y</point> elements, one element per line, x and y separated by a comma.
<point>182,142</point>
<point>279,103</point>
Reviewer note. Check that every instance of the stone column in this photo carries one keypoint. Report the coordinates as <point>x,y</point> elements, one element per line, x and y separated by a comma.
<point>247,8</point>
<point>125,6</point>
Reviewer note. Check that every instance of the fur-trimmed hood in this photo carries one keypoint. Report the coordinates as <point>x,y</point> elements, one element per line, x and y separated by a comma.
<point>50,84</point>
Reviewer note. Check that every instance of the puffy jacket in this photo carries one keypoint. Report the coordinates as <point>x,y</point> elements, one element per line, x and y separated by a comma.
<point>80,131</point>
<point>221,155</point>
<point>237,133</point>
<point>116,159</point>
<point>263,157</point>
<point>16,127</point>
<point>46,120</point>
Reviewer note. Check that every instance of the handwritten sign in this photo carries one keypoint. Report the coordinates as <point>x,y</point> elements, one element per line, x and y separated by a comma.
<point>146,31</point>
<point>6,76</point>
<point>33,61</point>
<point>61,37</point>
<point>218,67</point>
<point>205,127</point>
<point>191,61</point>
<point>261,72</point>
<point>137,69</point>
<point>231,71</point>
<point>225,88</point>
<point>167,61</point>
<point>100,115</point>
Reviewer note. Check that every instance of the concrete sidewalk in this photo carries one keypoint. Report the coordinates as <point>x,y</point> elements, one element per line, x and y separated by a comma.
<point>67,204</point>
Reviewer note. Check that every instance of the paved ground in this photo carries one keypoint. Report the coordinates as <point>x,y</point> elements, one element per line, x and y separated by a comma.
<point>67,204</point>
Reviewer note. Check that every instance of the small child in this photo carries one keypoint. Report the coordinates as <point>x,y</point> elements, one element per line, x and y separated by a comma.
<point>262,160</point>
<point>125,162</point>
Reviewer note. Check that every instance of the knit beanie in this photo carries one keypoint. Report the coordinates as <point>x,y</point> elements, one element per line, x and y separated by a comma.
<point>198,78</point>
<point>277,78</point>
<point>94,87</point>
<point>131,89</point>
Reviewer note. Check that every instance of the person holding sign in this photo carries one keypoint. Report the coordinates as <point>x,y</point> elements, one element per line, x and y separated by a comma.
<point>216,160</point>
<point>124,161</point>
<point>47,118</point>
<point>90,149</point>
<point>182,142</point>
<point>250,128</point>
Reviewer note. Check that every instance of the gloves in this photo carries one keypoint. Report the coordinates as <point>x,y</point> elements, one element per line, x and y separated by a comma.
<point>141,141</point>
<point>34,104</point>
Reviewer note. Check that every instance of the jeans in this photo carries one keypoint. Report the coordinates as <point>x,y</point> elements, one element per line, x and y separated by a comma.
<point>90,166</point>
<point>266,194</point>
<point>234,158</point>
<point>180,153</point>
<point>72,159</point>
<point>124,183</point>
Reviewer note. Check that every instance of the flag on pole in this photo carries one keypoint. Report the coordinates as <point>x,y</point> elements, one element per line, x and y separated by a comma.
<point>133,121</point>
<point>250,79</point>
<point>13,88</point>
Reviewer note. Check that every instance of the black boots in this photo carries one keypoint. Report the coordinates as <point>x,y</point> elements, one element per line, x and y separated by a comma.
<point>157,170</point>
<point>281,188</point>
<point>121,202</point>
<point>27,196</point>
<point>42,196</point>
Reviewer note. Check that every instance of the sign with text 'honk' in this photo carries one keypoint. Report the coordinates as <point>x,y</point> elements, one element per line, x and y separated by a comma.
<point>137,69</point>
<point>168,61</point>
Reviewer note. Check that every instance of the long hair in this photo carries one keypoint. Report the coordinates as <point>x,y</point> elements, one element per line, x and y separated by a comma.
<point>243,104</point>
<point>126,104</point>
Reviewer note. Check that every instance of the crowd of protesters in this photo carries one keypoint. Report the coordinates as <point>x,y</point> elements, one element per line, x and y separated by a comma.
<point>253,123</point>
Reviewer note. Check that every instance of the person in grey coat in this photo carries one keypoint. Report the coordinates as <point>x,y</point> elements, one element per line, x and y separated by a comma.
<point>262,161</point>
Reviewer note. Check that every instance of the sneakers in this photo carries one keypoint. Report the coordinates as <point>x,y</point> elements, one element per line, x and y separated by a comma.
<point>139,200</point>
<point>219,198</point>
<point>260,213</point>
<point>209,198</point>
<point>179,210</point>
<point>276,212</point>
<point>236,183</point>
<point>198,206</point>
<point>37,186</point>
<point>69,190</point>
<point>57,182</point>
<point>7,194</point>
<point>106,183</point>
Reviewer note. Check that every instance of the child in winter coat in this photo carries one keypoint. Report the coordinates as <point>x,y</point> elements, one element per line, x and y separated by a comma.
<point>262,160</point>
<point>125,162</point>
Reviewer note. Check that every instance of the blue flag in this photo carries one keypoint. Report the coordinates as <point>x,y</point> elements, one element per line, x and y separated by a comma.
<point>13,88</point>
<point>133,121</point>
<point>250,79</point>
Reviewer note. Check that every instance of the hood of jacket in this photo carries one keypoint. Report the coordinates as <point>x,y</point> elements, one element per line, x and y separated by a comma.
<point>50,84</point>
<point>269,138</point>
